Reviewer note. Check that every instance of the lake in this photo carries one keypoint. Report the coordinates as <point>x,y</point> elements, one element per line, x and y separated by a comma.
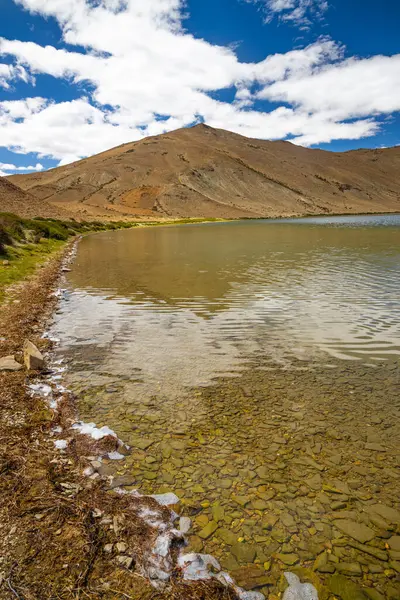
<point>253,367</point>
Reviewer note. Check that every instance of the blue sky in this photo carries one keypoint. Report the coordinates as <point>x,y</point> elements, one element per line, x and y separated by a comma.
<point>80,76</point>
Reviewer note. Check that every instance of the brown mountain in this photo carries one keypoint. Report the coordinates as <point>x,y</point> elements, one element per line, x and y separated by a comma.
<point>206,172</point>
<point>15,200</point>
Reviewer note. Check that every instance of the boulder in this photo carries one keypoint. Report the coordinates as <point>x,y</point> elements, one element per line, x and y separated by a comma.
<point>33,358</point>
<point>8,363</point>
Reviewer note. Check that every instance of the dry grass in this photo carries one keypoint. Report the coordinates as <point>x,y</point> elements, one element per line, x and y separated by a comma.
<point>54,522</point>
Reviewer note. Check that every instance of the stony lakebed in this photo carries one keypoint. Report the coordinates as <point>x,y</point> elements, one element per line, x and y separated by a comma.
<point>282,462</point>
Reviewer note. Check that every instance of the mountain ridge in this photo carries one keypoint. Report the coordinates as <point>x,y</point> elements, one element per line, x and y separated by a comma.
<point>207,172</point>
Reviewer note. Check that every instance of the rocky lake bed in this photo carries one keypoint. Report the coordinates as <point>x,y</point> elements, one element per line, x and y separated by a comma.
<point>293,469</point>
<point>256,378</point>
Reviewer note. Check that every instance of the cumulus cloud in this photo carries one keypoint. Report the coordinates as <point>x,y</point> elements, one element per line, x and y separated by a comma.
<point>142,74</point>
<point>298,12</point>
<point>7,169</point>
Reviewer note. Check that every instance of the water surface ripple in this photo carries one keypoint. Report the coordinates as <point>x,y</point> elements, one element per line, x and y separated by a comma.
<point>253,367</point>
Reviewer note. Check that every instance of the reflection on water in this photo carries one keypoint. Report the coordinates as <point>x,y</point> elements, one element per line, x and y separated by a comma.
<point>188,304</point>
<point>249,365</point>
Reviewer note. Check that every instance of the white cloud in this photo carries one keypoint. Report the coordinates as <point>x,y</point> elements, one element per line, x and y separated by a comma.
<point>299,12</point>
<point>353,88</point>
<point>141,64</point>
<point>10,73</point>
<point>7,169</point>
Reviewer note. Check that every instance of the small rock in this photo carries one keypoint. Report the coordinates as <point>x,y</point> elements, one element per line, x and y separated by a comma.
<point>373,594</point>
<point>125,561</point>
<point>371,550</point>
<point>345,588</point>
<point>218,512</point>
<point>208,530</point>
<point>227,536</point>
<point>195,543</point>
<point>349,569</point>
<point>288,521</point>
<point>375,447</point>
<point>121,547</point>
<point>244,553</point>
<point>96,464</point>
<point>33,358</point>
<point>8,363</point>
<point>360,532</point>
<point>242,500</point>
<point>288,559</point>
<point>108,548</point>
<point>322,564</point>
<point>386,512</point>
<point>122,481</point>
<point>269,521</point>
<point>251,577</point>
<point>395,565</point>
<point>185,524</point>
<point>394,542</point>
<point>314,482</point>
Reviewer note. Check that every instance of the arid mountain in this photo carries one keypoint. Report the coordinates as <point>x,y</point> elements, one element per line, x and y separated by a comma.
<point>15,200</point>
<point>206,172</point>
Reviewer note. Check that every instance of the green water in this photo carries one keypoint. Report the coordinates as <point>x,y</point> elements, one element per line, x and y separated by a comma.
<point>253,367</point>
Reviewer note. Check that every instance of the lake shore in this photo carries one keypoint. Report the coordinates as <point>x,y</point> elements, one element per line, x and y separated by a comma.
<point>64,531</point>
<point>78,530</point>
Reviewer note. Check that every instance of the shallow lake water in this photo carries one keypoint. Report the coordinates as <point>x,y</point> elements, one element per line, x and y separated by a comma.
<point>253,368</point>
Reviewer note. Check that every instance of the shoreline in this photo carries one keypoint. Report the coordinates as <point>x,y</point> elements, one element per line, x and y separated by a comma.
<point>65,529</point>
<point>75,465</point>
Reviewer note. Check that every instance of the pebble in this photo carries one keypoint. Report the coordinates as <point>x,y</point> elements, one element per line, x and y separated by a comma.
<point>208,530</point>
<point>243,552</point>
<point>349,568</point>
<point>288,559</point>
<point>185,524</point>
<point>227,536</point>
<point>121,547</point>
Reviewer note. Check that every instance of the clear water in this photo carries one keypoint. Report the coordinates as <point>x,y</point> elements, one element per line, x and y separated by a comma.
<point>238,351</point>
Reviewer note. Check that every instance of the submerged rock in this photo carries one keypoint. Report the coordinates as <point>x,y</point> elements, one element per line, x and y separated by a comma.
<point>345,588</point>
<point>8,363</point>
<point>33,358</point>
<point>386,512</point>
<point>358,531</point>
<point>298,590</point>
<point>251,577</point>
<point>244,553</point>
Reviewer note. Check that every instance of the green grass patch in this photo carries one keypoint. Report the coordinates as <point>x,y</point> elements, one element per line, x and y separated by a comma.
<point>26,243</point>
<point>24,260</point>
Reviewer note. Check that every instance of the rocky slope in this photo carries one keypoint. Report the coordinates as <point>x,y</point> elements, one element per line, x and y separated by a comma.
<point>15,200</point>
<point>209,172</point>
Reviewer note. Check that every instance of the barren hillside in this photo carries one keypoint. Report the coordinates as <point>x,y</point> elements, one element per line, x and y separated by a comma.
<point>15,200</point>
<point>209,172</point>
